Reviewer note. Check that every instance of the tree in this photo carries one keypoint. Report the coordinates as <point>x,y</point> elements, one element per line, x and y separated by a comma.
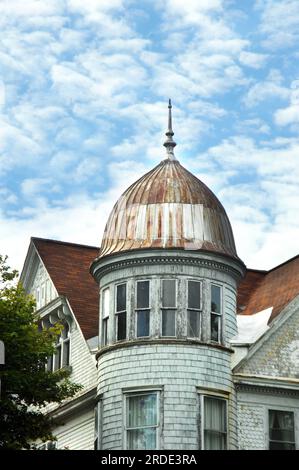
<point>26,386</point>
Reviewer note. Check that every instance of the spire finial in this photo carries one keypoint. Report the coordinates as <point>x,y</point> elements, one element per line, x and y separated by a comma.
<point>169,142</point>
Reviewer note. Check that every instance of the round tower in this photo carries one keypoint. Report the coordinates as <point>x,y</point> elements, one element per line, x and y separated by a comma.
<point>168,273</point>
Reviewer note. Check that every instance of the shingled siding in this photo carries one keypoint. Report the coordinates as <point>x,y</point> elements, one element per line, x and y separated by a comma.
<point>178,370</point>
<point>253,410</point>
<point>279,355</point>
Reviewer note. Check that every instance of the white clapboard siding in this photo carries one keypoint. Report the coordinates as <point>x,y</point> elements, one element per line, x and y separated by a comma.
<point>77,433</point>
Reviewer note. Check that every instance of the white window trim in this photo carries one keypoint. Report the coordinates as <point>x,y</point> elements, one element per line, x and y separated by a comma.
<point>104,318</point>
<point>220,315</point>
<point>169,308</point>
<point>140,392</point>
<point>148,309</point>
<point>61,343</point>
<point>116,313</point>
<point>195,309</point>
<point>98,422</point>
<point>218,396</point>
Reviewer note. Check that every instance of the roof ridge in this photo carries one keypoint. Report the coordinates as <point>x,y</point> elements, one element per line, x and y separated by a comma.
<point>61,242</point>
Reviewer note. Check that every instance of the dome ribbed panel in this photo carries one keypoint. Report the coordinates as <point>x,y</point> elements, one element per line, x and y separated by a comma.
<point>168,208</point>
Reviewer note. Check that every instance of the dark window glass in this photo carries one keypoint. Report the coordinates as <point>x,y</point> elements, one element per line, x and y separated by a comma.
<point>193,324</point>
<point>66,353</point>
<point>281,430</point>
<point>143,317</point>
<point>50,363</point>
<point>142,294</point>
<point>121,326</point>
<point>121,298</point>
<point>168,293</point>
<point>194,295</point>
<point>168,322</point>
<point>65,331</point>
<point>105,331</point>
<point>57,358</point>
<point>215,327</point>
<point>215,299</point>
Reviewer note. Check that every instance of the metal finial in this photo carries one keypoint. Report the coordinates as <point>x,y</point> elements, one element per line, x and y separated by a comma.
<point>169,143</point>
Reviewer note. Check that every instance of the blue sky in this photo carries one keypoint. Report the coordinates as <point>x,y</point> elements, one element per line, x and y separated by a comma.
<point>83,108</point>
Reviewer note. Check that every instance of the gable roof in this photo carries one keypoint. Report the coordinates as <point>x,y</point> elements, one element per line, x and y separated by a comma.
<point>68,266</point>
<point>263,289</point>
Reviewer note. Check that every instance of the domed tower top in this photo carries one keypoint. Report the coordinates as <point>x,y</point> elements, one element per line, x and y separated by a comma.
<point>168,208</point>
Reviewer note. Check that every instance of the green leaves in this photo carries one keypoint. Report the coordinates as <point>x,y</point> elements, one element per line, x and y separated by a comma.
<point>26,386</point>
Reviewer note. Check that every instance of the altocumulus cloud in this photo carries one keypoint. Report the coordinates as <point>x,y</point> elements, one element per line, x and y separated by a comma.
<point>83,91</point>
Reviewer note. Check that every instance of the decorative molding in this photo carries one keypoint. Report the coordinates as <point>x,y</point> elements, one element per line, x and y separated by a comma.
<point>268,390</point>
<point>99,271</point>
<point>163,341</point>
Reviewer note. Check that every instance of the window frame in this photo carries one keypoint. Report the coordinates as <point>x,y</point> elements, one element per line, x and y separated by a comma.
<point>199,311</point>
<point>215,396</point>
<point>105,318</point>
<point>219,315</point>
<point>140,392</point>
<point>284,410</point>
<point>60,344</point>
<point>162,308</point>
<point>148,309</point>
<point>116,313</point>
<point>98,413</point>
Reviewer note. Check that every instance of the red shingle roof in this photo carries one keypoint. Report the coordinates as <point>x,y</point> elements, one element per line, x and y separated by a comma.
<point>68,266</point>
<point>275,288</point>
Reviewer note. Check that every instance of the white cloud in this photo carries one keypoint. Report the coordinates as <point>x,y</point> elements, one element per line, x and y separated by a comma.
<point>269,89</point>
<point>253,59</point>
<point>279,22</point>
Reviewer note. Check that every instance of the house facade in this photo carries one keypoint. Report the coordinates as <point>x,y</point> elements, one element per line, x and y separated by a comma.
<point>176,343</point>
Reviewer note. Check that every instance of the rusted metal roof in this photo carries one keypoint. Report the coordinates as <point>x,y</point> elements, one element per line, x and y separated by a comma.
<point>263,289</point>
<point>168,208</point>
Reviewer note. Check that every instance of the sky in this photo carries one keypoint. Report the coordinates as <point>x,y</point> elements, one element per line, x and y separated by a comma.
<point>84,87</point>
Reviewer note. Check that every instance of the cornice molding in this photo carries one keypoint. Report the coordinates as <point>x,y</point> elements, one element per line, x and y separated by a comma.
<point>111,265</point>
<point>160,341</point>
<point>268,390</point>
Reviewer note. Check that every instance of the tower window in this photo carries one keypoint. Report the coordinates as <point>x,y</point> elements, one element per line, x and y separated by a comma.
<point>216,313</point>
<point>121,311</point>
<point>194,308</point>
<point>281,430</point>
<point>142,421</point>
<point>168,307</point>
<point>105,315</point>
<point>214,423</point>
<point>143,308</point>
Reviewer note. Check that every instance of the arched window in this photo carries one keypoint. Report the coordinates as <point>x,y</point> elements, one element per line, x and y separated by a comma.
<point>61,356</point>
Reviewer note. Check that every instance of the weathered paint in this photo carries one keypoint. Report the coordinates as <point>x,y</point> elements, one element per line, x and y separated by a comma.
<point>168,208</point>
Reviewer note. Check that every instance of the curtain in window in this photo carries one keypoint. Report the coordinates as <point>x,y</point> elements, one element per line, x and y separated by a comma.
<point>281,429</point>
<point>214,424</point>
<point>141,421</point>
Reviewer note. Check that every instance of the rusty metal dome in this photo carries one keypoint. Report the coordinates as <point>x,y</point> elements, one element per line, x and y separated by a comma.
<point>168,208</point>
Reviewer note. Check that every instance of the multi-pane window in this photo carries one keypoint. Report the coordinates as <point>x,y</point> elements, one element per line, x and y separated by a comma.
<point>281,430</point>
<point>61,356</point>
<point>216,313</point>
<point>214,422</point>
<point>121,312</point>
<point>194,308</point>
<point>168,307</point>
<point>142,421</point>
<point>105,315</point>
<point>143,308</point>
